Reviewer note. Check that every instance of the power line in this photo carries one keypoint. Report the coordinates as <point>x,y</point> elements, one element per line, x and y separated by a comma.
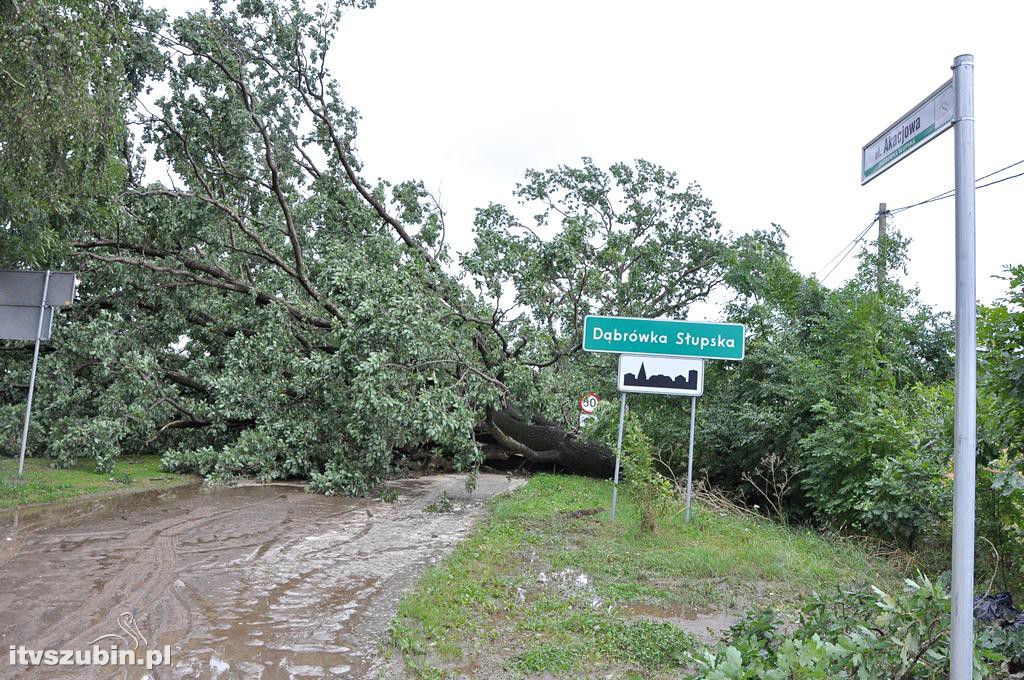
<point>950,193</point>
<point>997,181</point>
<point>843,249</point>
<point>1011,165</point>
<point>847,249</point>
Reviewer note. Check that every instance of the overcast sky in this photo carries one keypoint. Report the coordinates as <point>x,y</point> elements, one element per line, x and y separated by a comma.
<point>765,105</point>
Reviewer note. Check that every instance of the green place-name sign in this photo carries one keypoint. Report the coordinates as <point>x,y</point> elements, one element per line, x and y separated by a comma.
<point>663,337</point>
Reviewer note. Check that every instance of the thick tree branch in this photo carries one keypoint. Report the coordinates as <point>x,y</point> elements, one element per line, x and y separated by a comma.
<point>227,284</point>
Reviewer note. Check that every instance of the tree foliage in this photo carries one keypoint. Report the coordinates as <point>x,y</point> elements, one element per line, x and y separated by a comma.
<point>69,75</point>
<point>840,390</point>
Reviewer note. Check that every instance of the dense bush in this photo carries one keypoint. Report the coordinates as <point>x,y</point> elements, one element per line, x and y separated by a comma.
<point>858,634</point>
<point>842,412</point>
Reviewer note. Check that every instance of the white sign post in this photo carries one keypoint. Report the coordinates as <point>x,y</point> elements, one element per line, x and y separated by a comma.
<point>673,376</point>
<point>952,105</point>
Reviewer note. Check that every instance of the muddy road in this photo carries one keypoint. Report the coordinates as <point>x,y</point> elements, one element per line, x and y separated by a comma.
<point>245,582</point>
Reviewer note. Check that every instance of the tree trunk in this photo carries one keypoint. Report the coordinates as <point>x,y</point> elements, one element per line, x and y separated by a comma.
<point>542,443</point>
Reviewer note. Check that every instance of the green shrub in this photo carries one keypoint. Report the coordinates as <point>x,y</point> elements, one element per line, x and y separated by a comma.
<point>387,494</point>
<point>864,634</point>
<point>649,489</point>
<point>652,493</point>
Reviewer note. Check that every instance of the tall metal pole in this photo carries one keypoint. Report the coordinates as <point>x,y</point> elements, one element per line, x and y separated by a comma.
<point>689,464</point>
<point>32,377</point>
<point>961,660</point>
<point>618,454</point>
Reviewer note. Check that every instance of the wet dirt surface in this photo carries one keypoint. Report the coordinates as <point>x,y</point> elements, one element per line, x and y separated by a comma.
<point>246,582</point>
<point>707,627</point>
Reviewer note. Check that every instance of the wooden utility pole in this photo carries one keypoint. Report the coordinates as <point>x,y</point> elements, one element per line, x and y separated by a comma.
<point>883,215</point>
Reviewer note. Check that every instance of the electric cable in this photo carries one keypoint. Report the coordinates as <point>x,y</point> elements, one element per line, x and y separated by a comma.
<point>846,250</point>
<point>951,192</point>
<point>843,249</point>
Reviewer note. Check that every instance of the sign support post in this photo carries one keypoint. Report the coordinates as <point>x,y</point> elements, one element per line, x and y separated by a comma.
<point>618,455</point>
<point>32,377</point>
<point>952,105</point>
<point>689,462</point>
<point>961,661</point>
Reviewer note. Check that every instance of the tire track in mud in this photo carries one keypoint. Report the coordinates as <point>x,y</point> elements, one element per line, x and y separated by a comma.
<point>249,582</point>
<point>145,579</point>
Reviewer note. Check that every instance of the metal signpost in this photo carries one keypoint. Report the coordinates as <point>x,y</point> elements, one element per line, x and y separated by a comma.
<point>27,300</point>
<point>661,356</point>
<point>618,455</point>
<point>961,651</point>
<point>952,105</point>
<point>662,375</point>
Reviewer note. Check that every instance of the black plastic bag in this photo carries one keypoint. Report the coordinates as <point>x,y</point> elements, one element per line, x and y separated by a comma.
<point>998,607</point>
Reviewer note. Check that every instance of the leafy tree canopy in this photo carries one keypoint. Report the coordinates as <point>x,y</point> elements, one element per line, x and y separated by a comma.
<point>69,75</point>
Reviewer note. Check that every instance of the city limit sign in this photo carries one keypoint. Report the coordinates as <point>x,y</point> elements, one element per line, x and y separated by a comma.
<point>663,337</point>
<point>674,376</point>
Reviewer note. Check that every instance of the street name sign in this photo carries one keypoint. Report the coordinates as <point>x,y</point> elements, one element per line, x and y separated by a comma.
<point>922,124</point>
<point>661,375</point>
<point>663,337</point>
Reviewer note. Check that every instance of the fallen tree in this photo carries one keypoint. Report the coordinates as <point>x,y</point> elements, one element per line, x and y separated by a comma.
<point>270,312</point>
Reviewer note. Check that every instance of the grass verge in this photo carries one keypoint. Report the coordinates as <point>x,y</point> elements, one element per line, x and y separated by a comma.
<point>547,585</point>
<point>44,484</point>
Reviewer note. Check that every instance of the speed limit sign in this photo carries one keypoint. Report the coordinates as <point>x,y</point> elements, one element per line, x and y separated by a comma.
<point>588,402</point>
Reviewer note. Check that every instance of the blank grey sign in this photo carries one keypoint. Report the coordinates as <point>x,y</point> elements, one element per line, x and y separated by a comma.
<point>21,323</point>
<point>25,288</point>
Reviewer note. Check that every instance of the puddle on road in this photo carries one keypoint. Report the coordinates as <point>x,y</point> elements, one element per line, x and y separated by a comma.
<point>247,582</point>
